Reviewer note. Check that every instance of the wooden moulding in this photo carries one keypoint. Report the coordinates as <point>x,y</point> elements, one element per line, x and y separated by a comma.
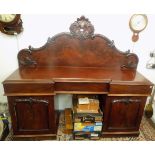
<point>27,88</point>
<point>118,134</point>
<point>130,89</point>
<point>29,94</point>
<point>83,87</point>
<point>128,94</point>
<point>79,92</point>
<point>35,135</point>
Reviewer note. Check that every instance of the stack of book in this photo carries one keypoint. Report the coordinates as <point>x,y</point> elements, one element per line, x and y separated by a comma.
<point>87,118</point>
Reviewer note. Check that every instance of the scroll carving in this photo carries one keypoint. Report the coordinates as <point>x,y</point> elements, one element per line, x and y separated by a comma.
<point>82,28</point>
<point>30,100</point>
<point>112,44</point>
<point>25,58</point>
<point>131,61</point>
<point>126,100</point>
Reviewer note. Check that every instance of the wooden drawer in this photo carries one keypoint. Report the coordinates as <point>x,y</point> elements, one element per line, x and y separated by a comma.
<point>81,87</point>
<point>130,89</point>
<point>11,88</point>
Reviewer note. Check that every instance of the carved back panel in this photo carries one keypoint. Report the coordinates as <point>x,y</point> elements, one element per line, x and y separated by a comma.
<point>79,48</point>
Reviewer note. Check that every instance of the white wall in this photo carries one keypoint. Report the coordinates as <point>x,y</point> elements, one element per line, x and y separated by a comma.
<point>37,28</point>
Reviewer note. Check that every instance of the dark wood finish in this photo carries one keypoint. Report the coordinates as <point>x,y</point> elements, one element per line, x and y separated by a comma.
<point>78,49</point>
<point>76,74</point>
<point>82,86</point>
<point>29,88</point>
<point>120,134</point>
<point>123,114</point>
<point>79,62</point>
<point>129,89</point>
<point>32,115</point>
<point>82,28</point>
<point>64,50</point>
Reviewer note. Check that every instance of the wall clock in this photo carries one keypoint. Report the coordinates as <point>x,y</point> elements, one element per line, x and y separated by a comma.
<point>11,24</point>
<point>137,24</point>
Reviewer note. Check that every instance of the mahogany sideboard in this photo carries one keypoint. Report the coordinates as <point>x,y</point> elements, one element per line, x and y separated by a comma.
<point>76,62</point>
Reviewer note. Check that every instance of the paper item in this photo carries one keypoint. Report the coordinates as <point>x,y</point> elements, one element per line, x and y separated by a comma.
<point>83,100</point>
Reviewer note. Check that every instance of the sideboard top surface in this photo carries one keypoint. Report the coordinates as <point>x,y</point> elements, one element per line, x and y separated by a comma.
<point>71,74</point>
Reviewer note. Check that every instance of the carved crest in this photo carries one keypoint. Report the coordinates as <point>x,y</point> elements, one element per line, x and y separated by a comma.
<point>82,28</point>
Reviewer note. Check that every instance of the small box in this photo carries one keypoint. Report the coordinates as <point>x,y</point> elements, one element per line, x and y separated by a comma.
<point>92,107</point>
<point>88,127</point>
<point>87,135</point>
<point>88,117</point>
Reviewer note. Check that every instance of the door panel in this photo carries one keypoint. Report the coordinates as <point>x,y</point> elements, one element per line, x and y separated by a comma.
<point>124,113</point>
<point>32,114</point>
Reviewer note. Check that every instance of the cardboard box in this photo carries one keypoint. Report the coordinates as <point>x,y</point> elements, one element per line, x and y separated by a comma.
<point>92,107</point>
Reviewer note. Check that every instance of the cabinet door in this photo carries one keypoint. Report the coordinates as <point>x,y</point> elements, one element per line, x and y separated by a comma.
<point>123,113</point>
<point>32,115</point>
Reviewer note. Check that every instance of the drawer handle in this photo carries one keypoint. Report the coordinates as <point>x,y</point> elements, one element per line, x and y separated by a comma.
<point>126,100</point>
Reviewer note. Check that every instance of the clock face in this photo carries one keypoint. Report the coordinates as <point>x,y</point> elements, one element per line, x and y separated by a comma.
<point>138,22</point>
<point>6,18</point>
